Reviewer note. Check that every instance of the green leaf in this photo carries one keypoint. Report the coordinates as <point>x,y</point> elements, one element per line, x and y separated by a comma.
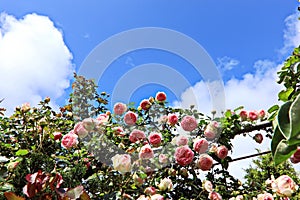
<point>238,108</point>
<point>22,152</point>
<point>277,138</point>
<point>283,152</point>
<point>284,94</point>
<point>295,118</point>
<point>284,120</point>
<point>273,108</point>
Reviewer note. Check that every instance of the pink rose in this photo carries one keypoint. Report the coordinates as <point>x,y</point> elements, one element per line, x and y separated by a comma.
<point>182,140</point>
<point>222,152</point>
<point>57,135</point>
<point>145,104</point>
<point>214,196</point>
<point>208,186</point>
<point>146,152</point>
<point>130,118</point>
<point>184,155</point>
<point>200,145</point>
<point>150,190</point>
<point>69,140</point>
<point>284,186</point>
<point>89,124</point>
<point>120,108</point>
<point>205,162</point>
<point>102,119</point>
<point>244,115</point>
<point>157,197</point>
<point>211,130</point>
<point>165,184</point>
<point>265,196</point>
<point>122,163</point>
<point>80,130</point>
<point>155,139</point>
<point>172,119</point>
<point>189,123</point>
<point>118,130</point>
<point>253,115</point>
<point>163,158</point>
<point>143,197</point>
<point>161,96</point>
<point>136,135</point>
<point>261,114</point>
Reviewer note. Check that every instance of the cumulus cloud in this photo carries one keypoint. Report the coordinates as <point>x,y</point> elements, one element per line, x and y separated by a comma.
<point>226,63</point>
<point>34,60</point>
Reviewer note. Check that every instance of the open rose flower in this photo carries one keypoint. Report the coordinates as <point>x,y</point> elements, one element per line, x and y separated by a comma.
<point>118,130</point>
<point>130,118</point>
<point>155,139</point>
<point>157,197</point>
<point>211,130</point>
<point>136,135</point>
<point>145,104</point>
<point>162,158</point>
<point>208,186</point>
<point>160,96</point>
<point>200,145</point>
<point>172,119</point>
<point>265,196</point>
<point>89,124</point>
<point>222,152</point>
<point>120,108</point>
<point>165,184</point>
<point>80,130</point>
<point>283,185</point>
<point>146,152</point>
<point>150,190</point>
<point>181,140</point>
<point>188,123</point>
<point>122,163</point>
<point>214,196</point>
<point>204,162</point>
<point>102,119</point>
<point>184,155</point>
<point>69,140</point>
<point>253,115</point>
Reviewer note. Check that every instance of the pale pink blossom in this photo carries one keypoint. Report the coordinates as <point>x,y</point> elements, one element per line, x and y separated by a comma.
<point>136,135</point>
<point>222,152</point>
<point>145,104</point>
<point>214,196</point>
<point>146,152</point>
<point>118,130</point>
<point>80,130</point>
<point>208,186</point>
<point>165,184</point>
<point>120,108</point>
<point>143,197</point>
<point>181,140</point>
<point>102,119</point>
<point>284,185</point>
<point>172,119</point>
<point>69,140</point>
<point>200,145</point>
<point>89,124</point>
<point>130,118</point>
<point>160,96</point>
<point>150,190</point>
<point>204,162</point>
<point>162,158</point>
<point>188,123</point>
<point>157,197</point>
<point>155,139</point>
<point>163,119</point>
<point>184,155</point>
<point>211,130</point>
<point>265,196</point>
<point>122,163</point>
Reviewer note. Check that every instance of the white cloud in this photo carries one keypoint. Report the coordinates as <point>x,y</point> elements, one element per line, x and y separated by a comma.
<point>226,63</point>
<point>34,60</point>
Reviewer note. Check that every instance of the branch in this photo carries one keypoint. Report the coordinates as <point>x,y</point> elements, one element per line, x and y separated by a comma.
<point>257,127</point>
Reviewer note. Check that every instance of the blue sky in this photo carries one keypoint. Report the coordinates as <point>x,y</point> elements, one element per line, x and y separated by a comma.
<point>248,41</point>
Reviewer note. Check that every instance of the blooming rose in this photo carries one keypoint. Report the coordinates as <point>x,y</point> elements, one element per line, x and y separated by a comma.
<point>182,140</point>
<point>157,197</point>
<point>69,140</point>
<point>188,123</point>
<point>118,130</point>
<point>172,119</point>
<point>25,107</point>
<point>120,108</point>
<point>214,196</point>
<point>211,130</point>
<point>80,130</point>
<point>162,158</point>
<point>102,119</point>
<point>89,124</point>
<point>150,190</point>
<point>130,118</point>
<point>200,145</point>
<point>244,115</point>
<point>143,197</point>
<point>145,104</point>
<point>122,163</point>
<point>155,139</point>
<point>222,152</point>
<point>253,115</point>
<point>165,184</point>
<point>160,96</point>
<point>261,114</point>
<point>284,186</point>
<point>184,155</point>
<point>208,186</point>
<point>57,135</point>
<point>146,152</point>
<point>265,196</point>
<point>136,135</point>
<point>205,162</point>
